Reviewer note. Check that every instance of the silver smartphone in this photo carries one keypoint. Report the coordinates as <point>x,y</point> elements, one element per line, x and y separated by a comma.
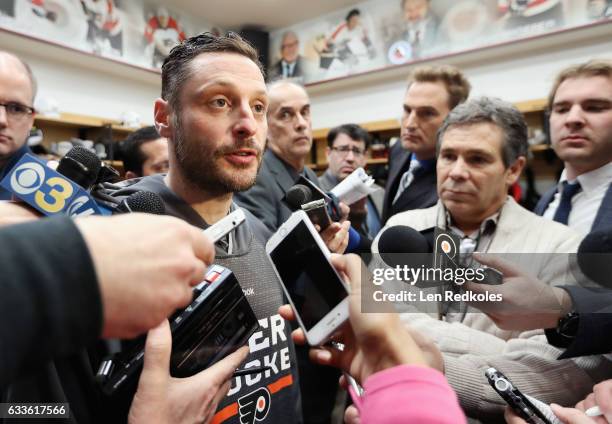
<point>316,292</point>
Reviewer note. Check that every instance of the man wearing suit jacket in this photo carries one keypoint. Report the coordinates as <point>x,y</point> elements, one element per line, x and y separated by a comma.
<point>580,106</point>
<point>291,64</point>
<point>433,91</point>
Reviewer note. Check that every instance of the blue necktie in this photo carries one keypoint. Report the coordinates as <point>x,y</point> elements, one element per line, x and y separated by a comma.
<point>565,206</point>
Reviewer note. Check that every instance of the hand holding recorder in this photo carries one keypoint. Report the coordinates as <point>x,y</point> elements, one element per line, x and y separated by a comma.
<point>161,398</point>
<point>146,267</point>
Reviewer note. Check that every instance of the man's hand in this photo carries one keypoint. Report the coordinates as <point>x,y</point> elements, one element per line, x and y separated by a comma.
<point>336,236</point>
<point>163,399</point>
<point>601,397</point>
<point>146,267</point>
<point>527,304</point>
<point>372,341</point>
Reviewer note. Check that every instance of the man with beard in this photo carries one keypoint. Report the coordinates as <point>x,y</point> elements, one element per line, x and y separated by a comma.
<point>212,110</point>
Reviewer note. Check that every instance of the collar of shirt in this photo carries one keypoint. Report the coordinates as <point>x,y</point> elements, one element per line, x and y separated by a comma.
<point>486,227</point>
<point>426,164</point>
<point>592,180</point>
<point>289,65</point>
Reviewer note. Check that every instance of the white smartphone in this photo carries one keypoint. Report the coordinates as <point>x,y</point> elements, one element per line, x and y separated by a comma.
<point>316,292</point>
<point>221,228</point>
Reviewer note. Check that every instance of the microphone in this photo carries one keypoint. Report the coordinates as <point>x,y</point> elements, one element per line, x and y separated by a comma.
<point>50,192</point>
<point>80,166</point>
<point>142,201</point>
<point>402,245</point>
<point>300,196</point>
<point>595,256</point>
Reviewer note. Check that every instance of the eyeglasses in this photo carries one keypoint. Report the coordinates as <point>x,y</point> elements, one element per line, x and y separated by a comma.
<point>344,151</point>
<point>16,110</point>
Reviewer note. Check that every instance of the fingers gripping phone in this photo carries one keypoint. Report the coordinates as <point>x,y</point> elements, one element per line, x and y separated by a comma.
<point>520,403</point>
<point>315,290</point>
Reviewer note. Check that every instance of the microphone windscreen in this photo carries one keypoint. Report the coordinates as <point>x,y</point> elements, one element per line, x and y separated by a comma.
<point>80,165</point>
<point>595,256</point>
<point>143,201</point>
<point>298,195</point>
<point>402,245</point>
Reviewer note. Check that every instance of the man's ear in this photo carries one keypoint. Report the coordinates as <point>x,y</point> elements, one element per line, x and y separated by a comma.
<point>514,171</point>
<point>327,152</point>
<point>161,114</point>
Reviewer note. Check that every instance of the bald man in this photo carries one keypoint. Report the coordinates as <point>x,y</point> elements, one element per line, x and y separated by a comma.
<point>289,143</point>
<point>17,91</point>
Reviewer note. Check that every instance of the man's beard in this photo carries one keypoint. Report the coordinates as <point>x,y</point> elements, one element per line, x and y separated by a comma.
<point>198,163</point>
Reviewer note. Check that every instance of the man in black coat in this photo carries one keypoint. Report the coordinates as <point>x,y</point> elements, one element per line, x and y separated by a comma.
<point>431,94</point>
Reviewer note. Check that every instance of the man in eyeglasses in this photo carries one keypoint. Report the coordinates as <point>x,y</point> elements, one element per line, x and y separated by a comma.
<point>17,91</point>
<point>347,150</point>
<point>291,63</point>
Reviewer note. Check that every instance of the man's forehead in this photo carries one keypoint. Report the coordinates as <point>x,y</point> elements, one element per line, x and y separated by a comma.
<point>225,67</point>
<point>343,138</point>
<point>14,74</point>
<point>582,88</point>
<point>288,96</point>
<point>483,136</point>
<point>426,94</point>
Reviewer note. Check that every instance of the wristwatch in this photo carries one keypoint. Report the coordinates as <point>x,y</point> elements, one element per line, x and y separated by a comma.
<point>567,328</point>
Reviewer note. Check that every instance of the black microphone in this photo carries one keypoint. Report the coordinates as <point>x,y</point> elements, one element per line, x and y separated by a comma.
<point>595,256</point>
<point>80,166</point>
<point>402,245</point>
<point>142,201</point>
<point>298,195</point>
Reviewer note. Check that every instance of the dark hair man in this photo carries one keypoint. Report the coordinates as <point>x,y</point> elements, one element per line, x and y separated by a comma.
<point>580,104</point>
<point>432,92</point>
<point>17,92</point>
<point>347,148</point>
<point>144,153</point>
<point>212,110</point>
<point>482,148</point>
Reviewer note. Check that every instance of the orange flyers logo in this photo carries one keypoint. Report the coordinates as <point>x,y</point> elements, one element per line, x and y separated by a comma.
<point>253,407</point>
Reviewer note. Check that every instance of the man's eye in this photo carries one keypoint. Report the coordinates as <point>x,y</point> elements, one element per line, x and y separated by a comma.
<point>560,109</point>
<point>259,108</point>
<point>596,108</point>
<point>16,108</point>
<point>285,115</point>
<point>219,102</point>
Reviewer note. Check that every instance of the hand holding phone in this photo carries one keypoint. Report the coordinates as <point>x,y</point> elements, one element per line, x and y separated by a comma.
<point>373,341</point>
<point>312,285</point>
<point>530,409</point>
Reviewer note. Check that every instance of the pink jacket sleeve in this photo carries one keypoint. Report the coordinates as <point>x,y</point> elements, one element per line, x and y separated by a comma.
<point>409,394</point>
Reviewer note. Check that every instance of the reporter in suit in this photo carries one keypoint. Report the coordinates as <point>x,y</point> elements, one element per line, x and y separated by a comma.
<point>432,92</point>
<point>580,105</point>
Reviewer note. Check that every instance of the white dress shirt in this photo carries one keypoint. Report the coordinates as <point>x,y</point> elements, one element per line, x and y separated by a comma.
<point>585,203</point>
